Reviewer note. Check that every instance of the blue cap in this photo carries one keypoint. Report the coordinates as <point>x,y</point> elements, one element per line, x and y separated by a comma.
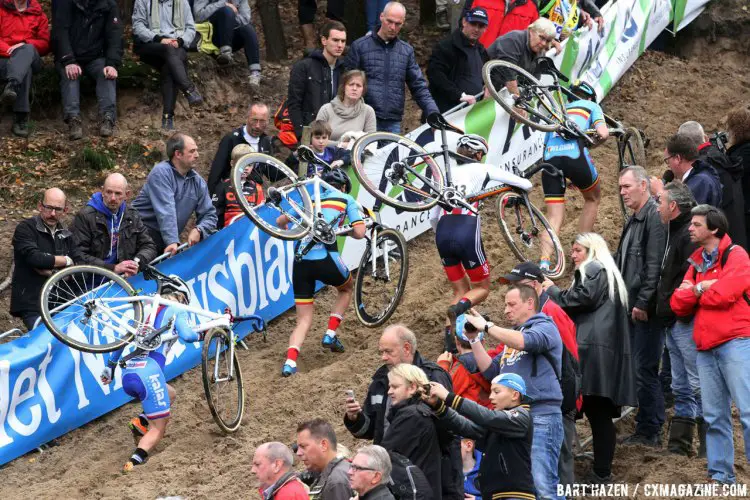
<point>461,329</point>
<point>512,380</point>
<point>478,15</point>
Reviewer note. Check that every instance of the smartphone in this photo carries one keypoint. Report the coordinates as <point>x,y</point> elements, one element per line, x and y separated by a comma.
<point>349,394</point>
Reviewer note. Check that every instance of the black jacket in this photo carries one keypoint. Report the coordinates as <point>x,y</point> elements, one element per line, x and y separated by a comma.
<point>92,236</point>
<point>504,438</point>
<point>455,67</point>
<point>312,83</point>
<point>220,167</point>
<point>603,334</point>
<point>380,492</point>
<point>35,248</point>
<point>732,198</point>
<point>83,31</point>
<point>641,264</point>
<point>740,154</point>
<point>412,433</point>
<point>674,266</point>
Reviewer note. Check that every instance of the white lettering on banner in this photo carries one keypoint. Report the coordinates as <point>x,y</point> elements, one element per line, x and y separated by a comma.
<point>95,365</point>
<point>416,220</point>
<point>277,265</point>
<point>255,238</point>
<point>19,396</point>
<point>219,291</point>
<point>235,268</point>
<point>4,401</point>
<point>48,395</point>
<point>522,156</point>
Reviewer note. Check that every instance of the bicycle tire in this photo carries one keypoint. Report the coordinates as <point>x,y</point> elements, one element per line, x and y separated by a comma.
<point>631,152</point>
<point>548,101</point>
<point>231,422</point>
<point>264,214</point>
<point>522,244</point>
<point>369,156</point>
<point>65,295</point>
<point>366,275</point>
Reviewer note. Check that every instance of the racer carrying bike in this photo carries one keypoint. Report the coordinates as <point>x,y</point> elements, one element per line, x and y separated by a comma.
<point>573,159</point>
<point>323,263</point>
<point>458,234</point>
<point>143,375</point>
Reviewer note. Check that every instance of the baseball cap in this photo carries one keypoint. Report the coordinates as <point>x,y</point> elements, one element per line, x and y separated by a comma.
<point>524,271</point>
<point>478,15</point>
<point>461,329</point>
<point>514,381</point>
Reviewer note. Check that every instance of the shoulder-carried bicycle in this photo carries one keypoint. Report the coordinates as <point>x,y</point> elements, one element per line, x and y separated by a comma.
<point>384,266</point>
<point>94,310</point>
<point>402,174</point>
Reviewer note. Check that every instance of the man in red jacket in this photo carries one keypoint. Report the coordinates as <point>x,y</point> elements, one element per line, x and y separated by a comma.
<point>715,290</point>
<point>506,16</point>
<point>24,39</point>
<point>272,465</point>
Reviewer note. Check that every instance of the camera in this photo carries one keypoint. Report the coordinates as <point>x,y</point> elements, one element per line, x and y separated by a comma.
<point>720,140</point>
<point>471,328</point>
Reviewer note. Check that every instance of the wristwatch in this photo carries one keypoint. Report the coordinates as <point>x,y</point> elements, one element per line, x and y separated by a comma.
<point>68,261</point>
<point>487,326</point>
<point>699,288</point>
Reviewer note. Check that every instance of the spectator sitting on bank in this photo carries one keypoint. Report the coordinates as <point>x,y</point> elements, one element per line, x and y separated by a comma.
<point>24,40</point>
<point>455,67</point>
<point>110,234</point>
<point>272,465</point>
<point>738,134</point>
<point>370,473</point>
<point>41,244</point>
<point>472,460</point>
<point>233,30</point>
<point>162,32</point>
<point>505,16</point>
<point>306,12</point>
<point>347,112</point>
<point>335,156</point>
<point>172,193</point>
<point>228,209</point>
<point>316,447</point>
<point>389,63</point>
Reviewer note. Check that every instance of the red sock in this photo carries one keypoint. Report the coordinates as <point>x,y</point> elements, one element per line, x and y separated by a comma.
<point>292,353</point>
<point>334,321</point>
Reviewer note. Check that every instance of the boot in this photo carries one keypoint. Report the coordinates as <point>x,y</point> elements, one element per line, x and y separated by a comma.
<point>702,428</point>
<point>167,122</point>
<point>10,92</point>
<point>225,56</point>
<point>681,432</point>
<point>21,125</point>
<point>193,97</point>
<point>107,127</point>
<point>75,129</point>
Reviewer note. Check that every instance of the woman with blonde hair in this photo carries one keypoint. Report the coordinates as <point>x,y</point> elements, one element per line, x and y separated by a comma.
<point>597,302</point>
<point>347,114</point>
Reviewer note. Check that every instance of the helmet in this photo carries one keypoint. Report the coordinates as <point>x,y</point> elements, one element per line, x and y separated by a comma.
<point>475,142</point>
<point>583,89</point>
<point>176,285</point>
<point>337,177</point>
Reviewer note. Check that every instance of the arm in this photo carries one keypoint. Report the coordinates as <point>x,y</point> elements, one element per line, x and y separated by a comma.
<point>655,244</point>
<point>189,33</point>
<point>513,423</point>
<point>183,328</point>
<point>581,296</point>
<point>26,249</point>
<point>295,95</point>
<point>203,9</point>
<point>684,301</point>
<point>245,14</point>
<point>370,120</point>
<point>459,424</point>
<point>355,219</point>
<point>41,36</point>
<point>162,197</point>
<point>83,238</point>
<point>488,366</point>
<point>418,86</point>
<point>205,213</point>
<point>406,436</point>
<point>506,336</point>
<point>438,71</point>
<point>731,286</point>
<point>61,27</point>
<point>220,167</point>
<point>145,248</point>
<point>113,33</point>
<point>141,29</point>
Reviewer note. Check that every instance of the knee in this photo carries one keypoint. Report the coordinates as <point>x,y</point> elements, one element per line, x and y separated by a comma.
<point>223,14</point>
<point>26,48</point>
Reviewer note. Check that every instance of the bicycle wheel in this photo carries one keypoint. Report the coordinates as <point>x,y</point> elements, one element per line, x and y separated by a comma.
<point>397,171</point>
<point>270,175</point>
<point>222,381</point>
<point>542,111</point>
<point>631,153</point>
<point>90,308</point>
<point>525,237</point>
<point>381,281</point>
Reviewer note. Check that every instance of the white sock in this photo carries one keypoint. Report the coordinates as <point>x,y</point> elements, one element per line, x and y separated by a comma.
<point>330,333</point>
<point>291,363</point>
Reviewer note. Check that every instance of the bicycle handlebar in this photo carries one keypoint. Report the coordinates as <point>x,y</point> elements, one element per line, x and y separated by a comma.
<point>547,167</point>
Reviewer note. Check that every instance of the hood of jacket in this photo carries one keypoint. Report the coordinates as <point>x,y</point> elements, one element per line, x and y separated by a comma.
<point>97,202</point>
<point>538,319</point>
<point>33,7</point>
<point>714,156</point>
<point>318,55</point>
<point>700,166</point>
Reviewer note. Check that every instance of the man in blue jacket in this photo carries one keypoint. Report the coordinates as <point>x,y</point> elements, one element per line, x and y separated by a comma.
<point>681,157</point>
<point>389,63</point>
<point>533,350</point>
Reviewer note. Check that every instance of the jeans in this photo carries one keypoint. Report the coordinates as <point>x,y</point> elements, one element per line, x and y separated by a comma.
<point>172,62</point>
<point>106,90</point>
<point>545,452</point>
<point>647,339</point>
<point>686,384</point>
<point>393,126</point>
<point>373,8</point>
<point>229,33</point>
<point>566,463</point>
<point>306,10</point>
<point>18,68</point>
<point>725,377</point>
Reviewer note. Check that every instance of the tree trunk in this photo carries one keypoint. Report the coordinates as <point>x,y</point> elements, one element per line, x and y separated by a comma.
<point>356,22</point>
<point>126,10</point>
<point>426,12</point>
<point>273,30</point>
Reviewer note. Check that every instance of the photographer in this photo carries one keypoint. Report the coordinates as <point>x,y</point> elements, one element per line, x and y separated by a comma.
<point>738,140</point>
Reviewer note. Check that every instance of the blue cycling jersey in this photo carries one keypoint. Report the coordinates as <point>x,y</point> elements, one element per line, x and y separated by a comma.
<point>586,115</point>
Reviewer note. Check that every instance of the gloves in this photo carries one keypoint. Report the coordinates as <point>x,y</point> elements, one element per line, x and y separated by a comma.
<point>106,376</point>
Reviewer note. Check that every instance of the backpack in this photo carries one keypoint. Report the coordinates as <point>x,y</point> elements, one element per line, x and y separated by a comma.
<point>407,482</point>
<point>723,262</point>
<point>569,379</point>
<point>283,122</point>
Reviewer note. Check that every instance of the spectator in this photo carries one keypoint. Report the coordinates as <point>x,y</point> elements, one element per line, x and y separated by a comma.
<point>681,157</point>
<point>715,291</point>
<point>347,112</point>
<point>233,30</point>
<point>162,32</point>
<point>597,301</point>
<point>569,16</point>
<point>110,234</point>
<point>472,460</point>
<point>370,472</point>
<point>738,132</point>
<point>306,12</point>
<point>373,9</point>
<point>398,345</point>
<point>638,256</point>
<point>225,202</point>
<point>505,16</point>
<point>467,380</point>
<point>389,62</point>
<point>504,435</point>
<point>455,67</point>
<point>730,176</point>
<point>253,133</point>
<point>314,80</point>
<point>335,156</point>
<point>675,203</point>
<point>172,192</point>
<point>316,447</point>
<point>41,244</point>
<point>24,40</point>
<point>533,350</point>
<point>88,40</point>
<point>272,465</point>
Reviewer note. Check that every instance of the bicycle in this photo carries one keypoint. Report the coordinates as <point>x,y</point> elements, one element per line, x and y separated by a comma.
<point>94,310</point>
<point>542,108</point>
<point>384,267</point>
<point>403,175</point>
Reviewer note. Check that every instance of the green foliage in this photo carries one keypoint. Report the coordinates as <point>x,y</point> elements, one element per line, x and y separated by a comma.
<point>92,158</point>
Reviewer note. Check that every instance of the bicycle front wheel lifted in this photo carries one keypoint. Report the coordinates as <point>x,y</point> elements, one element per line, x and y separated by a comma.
<point>90,308</point>
<point>381,278</point>
<point>222,380</point>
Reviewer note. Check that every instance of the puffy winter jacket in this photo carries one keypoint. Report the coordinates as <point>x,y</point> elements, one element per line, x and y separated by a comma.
<point>506,17</point>
<point>86,31</point>
<point>388,66</point>
<point>312,84</point>
<point>722,312</point>
<point>30,26</point>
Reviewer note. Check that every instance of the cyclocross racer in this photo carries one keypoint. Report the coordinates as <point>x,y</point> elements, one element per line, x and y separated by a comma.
<point>143,376</point>
<point>323,263</point>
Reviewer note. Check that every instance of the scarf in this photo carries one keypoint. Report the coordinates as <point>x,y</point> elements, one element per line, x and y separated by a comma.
<point>347,112</point>
<point>113,221</point>
<point>178,19</point>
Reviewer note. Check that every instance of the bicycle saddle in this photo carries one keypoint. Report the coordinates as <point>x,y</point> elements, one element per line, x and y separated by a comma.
<point>306,154</point>
<point>438,121</point>
<point>545,65</point>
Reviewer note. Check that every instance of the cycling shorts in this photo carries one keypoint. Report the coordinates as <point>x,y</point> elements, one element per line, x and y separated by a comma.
<point>144,380</point>
<point>459,243</point>
<point>329,270</point>
<point>580,171</point>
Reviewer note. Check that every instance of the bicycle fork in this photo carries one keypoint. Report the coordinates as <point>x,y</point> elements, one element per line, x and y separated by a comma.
<point>230,368</point>
<point>374,252</point>
<point>519,228</point>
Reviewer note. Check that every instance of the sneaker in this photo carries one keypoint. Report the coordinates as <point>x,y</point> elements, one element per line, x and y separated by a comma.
<point>254,78</point>
<point>643,440</point>
<point>9,93</point>
<point>107,128</point>
<point>167,122</point>
<point>75,129</point>
<point>137,426</point>
<point>332,343</point>
<point>441,19</point>
<point>21,125</point>
<point>288,370</point>
<point>225,56</point>
<point>193,96</point>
